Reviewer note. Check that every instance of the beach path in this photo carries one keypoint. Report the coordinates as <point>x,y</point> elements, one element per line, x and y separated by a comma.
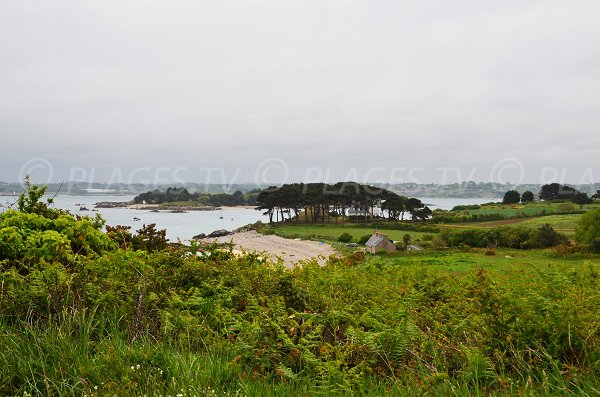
<point>291,251</point>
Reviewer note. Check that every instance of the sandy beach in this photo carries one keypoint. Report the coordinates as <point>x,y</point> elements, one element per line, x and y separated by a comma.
<point>291,251</point>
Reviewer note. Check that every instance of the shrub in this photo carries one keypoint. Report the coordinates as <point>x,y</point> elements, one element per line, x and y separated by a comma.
<point>588,228</point>
<point>363,240</point>
<point>596,245</point>
<point>564,249</point>
<point>509,237</point>
<point>438,243</point>
<point>466,207</point>
<point>545,237</point>
<point>345,238</point>
<point>490,252</point>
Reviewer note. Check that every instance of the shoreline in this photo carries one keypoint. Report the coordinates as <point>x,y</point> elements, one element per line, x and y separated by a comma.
<point>160,207</point>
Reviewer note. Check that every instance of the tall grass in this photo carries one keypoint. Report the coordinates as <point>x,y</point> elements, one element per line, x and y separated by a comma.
<point>369,328</point>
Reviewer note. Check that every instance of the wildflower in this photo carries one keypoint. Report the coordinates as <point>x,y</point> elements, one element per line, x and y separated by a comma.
<point>137,366</point>
<point>96,387</point>
<point>132,368</point>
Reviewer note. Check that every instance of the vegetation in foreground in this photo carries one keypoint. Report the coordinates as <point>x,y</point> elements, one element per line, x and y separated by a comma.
<point>87,312</point>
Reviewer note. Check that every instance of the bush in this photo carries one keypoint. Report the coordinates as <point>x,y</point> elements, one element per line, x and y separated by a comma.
<point>438,243</point>
<point>564,249</point>
<point>596,245</point>
<point>466,207</point>
<point>363,240</point>
<point>546,237</point>
<point>490,252</point>
<point>588,228</point>
<point>508,237</point>
<point>345,238</point>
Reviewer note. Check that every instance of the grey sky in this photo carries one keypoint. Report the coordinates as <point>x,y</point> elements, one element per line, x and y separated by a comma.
<point>334,85</point>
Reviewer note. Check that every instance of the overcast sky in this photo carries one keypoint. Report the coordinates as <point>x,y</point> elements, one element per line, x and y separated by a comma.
<point>381,90</point>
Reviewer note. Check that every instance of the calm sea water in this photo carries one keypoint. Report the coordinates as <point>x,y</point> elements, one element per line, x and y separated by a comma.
<point>184,226</point>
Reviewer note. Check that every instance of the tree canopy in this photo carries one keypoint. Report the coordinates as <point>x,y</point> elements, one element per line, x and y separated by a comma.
<point>319,200</point>
<point>511,197</point>
<point>180,194</point>
<point>527,197</point>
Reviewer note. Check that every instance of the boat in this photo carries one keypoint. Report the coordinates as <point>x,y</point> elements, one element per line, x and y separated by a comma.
<point>135,218</point>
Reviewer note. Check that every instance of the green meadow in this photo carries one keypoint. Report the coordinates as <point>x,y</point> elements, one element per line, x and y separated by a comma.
<point>330,232</point>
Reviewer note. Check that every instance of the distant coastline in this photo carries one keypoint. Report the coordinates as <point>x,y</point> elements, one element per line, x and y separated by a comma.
<point>166,207</point>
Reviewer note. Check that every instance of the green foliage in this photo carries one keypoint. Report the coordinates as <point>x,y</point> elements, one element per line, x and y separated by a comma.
<point>527,197</point>
<point>510,237</point>
<point>511,197</point>
<point>84,312</point>
<point>596,245</point>
<point>466,207</point>
<point>181,196</point>
<point>545,237</point>
<point>345,238</point>
<point>363,240</point>
<point>555,191</point>
<point>588,227</point>
<point>28,237</point>
<point>148,238</point>
<point>30,202</point>
<point>498,212</point>
<point>319,202</point>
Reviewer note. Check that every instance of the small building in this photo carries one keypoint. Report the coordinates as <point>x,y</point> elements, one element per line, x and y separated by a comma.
<point>379,242</point>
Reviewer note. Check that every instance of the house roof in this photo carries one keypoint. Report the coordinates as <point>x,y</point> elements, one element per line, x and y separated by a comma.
<point>376,239</point>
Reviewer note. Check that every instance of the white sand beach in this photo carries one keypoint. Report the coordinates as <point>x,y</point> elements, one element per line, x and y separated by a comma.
<point>291,251</point>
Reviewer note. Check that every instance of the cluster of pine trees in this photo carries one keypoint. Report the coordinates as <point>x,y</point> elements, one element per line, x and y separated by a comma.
<point>318,201</point>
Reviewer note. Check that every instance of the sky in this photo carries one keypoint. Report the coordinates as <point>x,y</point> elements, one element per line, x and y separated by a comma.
<point>276,91</point>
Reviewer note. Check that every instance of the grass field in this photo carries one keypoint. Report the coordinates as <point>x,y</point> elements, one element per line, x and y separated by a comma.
<point>332,232</point>
<point>528,209</point>
<point>503,260</point>
<point>563,223</point>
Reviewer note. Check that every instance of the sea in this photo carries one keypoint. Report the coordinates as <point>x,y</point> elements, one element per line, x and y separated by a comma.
<point>183,226</point>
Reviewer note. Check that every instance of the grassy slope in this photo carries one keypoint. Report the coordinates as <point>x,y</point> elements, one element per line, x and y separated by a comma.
<point>529,209</point>
<point>563,223</point>
<point>444,293</point>
<point>332,232</point>
<point>474,259</point>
